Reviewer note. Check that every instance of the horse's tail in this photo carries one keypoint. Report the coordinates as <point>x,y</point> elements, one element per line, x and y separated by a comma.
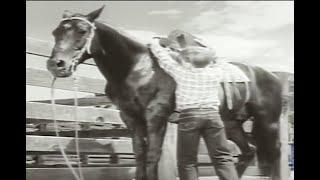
<point>266,110</point>
<point>266,137</point>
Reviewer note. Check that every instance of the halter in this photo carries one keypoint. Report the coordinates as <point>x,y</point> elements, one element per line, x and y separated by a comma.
<point>87,46</point>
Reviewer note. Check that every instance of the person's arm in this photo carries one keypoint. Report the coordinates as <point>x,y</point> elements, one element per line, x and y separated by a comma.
<point>221,65</point>
<point>218,67</point>
<point>166,62</point>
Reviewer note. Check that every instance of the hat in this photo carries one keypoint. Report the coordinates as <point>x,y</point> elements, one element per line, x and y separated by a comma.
<point>178,40</point>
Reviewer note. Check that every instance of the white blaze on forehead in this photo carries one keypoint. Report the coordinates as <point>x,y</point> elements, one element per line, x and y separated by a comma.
<point>67,25</point>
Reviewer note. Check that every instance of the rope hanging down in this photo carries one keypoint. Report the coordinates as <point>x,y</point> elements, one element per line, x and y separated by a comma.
<point>61,148</point>
<point>75,92</point>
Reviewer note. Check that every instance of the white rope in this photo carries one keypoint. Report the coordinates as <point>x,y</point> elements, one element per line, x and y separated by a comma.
<point>75,91</point>
<point>53,106</point>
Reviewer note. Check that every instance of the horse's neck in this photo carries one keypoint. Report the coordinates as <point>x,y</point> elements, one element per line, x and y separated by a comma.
<point>118,54</point>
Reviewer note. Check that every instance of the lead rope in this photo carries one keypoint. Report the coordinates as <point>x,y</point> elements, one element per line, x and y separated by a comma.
<point>75,92</point>
<point>53,106</point>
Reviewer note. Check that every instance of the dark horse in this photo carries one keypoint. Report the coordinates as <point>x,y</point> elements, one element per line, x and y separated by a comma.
<point>144,93</point>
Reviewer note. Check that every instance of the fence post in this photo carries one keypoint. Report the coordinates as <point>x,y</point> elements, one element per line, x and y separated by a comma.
<point>167,169</point>
<point>284,131</point>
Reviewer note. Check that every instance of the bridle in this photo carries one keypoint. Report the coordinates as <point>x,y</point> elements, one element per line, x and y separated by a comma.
<point>87,45</point>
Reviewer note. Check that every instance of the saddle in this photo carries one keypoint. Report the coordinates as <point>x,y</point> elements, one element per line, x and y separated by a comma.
<point>177,40</point>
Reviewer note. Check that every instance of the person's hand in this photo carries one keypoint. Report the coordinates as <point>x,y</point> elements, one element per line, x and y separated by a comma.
<point>154,45</point>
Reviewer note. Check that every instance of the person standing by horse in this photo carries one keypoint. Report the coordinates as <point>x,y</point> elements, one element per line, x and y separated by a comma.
<point>198,75</point>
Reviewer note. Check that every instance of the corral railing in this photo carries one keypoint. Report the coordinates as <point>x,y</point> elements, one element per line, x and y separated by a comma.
<point>105,143</point>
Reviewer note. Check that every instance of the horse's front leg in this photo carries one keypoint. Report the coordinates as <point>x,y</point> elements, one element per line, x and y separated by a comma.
<point>156,116</point>
<point>138,143</point>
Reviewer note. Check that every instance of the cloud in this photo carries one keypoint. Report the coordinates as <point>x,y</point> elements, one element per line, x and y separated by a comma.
<point>201,3</point>
<point>171,13</point>
<point>268,54</point>
<point>141,35</point>
<point>275,59</point>
<point>250,32</point>
<point>244,17</point>
<point>235,47</point>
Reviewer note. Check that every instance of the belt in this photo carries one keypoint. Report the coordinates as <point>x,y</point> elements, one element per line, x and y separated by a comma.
<point>195,109</point>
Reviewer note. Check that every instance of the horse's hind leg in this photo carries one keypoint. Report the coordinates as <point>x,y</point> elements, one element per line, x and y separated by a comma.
<point>236,134</point>
<point>266,135</point>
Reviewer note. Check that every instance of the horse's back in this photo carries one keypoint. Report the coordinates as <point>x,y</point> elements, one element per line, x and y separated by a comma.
<point>265,90</point>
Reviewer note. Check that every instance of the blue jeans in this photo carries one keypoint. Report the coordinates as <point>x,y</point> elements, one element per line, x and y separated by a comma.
<point>209,126</point>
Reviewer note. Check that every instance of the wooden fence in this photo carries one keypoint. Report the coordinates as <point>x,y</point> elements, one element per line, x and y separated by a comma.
<point>105,143</point>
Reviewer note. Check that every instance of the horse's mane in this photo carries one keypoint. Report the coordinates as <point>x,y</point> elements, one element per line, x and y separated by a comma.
<point>122,32</point>
<point>123,51</point>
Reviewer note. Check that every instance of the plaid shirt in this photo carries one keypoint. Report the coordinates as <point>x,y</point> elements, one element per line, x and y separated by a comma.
<point>196,87</point>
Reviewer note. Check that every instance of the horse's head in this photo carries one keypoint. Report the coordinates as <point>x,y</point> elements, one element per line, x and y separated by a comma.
<point>73,38</point>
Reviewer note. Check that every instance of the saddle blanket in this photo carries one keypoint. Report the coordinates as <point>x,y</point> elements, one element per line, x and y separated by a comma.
<point>233,74</point>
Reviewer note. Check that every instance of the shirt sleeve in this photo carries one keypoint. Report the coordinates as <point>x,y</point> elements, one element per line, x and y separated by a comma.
<point>166,62</point>
<point>219,67</point>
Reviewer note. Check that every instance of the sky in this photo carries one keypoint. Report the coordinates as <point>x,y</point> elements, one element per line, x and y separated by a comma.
<point>254,32</point>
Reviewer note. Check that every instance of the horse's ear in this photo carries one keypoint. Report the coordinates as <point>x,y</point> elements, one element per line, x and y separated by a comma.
<point>95,14</point>
<point>67,14</point>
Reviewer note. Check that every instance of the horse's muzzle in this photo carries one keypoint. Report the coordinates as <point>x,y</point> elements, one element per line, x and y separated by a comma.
<point>59,68</point>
